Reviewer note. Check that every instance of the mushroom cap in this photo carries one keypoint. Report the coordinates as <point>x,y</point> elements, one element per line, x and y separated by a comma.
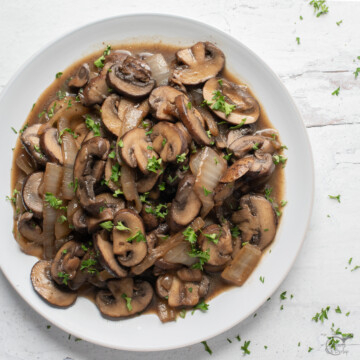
<point>49,143</point>
<point>171,135</point>
<point>201,62</point>
<point>109,114</point>
<point>246,105</point>
<point>31,142</point>
<point>162,102</point>
<point>219,252</point>
<point>185,206</point>
<point>192,120</point>
<point>29,229</point>
<point>257,220</point>
<point>81,77</point>
<point>47,288</point>
<point>106,254</point>
<point>30,194</point>
<point>129,253</point>
<point>132,77</point>
<point>238,169</point>
<point>147,182</point>
<point>245,144</point>
<point>136,151</point>
<point>112,302</point>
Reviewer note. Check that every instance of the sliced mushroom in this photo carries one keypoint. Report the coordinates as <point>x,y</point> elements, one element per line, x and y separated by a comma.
<point>192,120</point>
<point>106,255</point>
<point>184,132</point>
<point>223,192</point>
<point>110,116</point>
<point>245,144</point>
<point>31,142</point>
<point>247,109</point>
<point>114,303</point>
<point>162,102</point>
<point>93,222</point>
<point>29,229</point>
<point>79,221</point>
<point>150,220</point>
<point>168,141</point>
<point>131,78</point>
<point>186,274</point>
<point>112,174</point>
<point>130,251</point>
<point>137,149</point>
<point>49,143</point>
<point>235,134</point>
<point>47,288</point>
<point>238,169</point>
<point>146,183</point>
<point>256,220</point>
<point>81,78</point>
<point>202,62</point>
<point>185,206</point>
<point>88,170</point>
<point>219,246</point>
<point>111,202</point>
<point>31,196</point>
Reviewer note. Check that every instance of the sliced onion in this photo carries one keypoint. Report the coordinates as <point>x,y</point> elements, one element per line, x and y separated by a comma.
<point>208,170</point>
<point>25,163</point>
<point>166,246</point>
<point>160,70</point>
<point>242,265</point>
<point>61,227</point>
<point>131,114</point>
<point>129,186</point>
<point>180,255</point>
<point>164,311</point>
<point>52,182</point>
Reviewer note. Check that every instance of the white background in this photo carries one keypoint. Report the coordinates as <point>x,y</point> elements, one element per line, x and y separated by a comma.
<point>325,59</point>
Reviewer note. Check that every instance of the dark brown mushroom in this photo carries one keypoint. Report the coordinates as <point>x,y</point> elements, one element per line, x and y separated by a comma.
<point>113,174</point>
<point>29,229</point>
<point>79,221</point>
<point>256,220</point>
<point>246,108</point>
<point>245,144</point>
<point>131,78</point>
<point>106,256</point>
<point>49,143</point>
<point>185,206</point>
<point>31,196</point>
<point>192,120</point>
<point>125,297</point>
<point>31,142</point>
<point>238,169</point>
<point>109,114</point>
<point>217,240</point>
<point>88,170</point>
<point>168,141</point>
<point>129,245</point>
<point>201,62</point>
<point>186,274</point>
<point>47,288</point>
<point>81,78</point>
<point>223,192</point>
<point>150,220</point>
<point>162,102</point>
<point>111,202</point>
<point>93,222</point>
<point>137,150</point>
<point>147,182</point>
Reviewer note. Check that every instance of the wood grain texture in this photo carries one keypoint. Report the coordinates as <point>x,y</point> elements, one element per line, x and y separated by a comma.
<point>325,59</point>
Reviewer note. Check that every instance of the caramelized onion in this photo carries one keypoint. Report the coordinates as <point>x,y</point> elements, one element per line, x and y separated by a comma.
<point>160,71</point>
<point>25,163</point>
<point>180,255</point>
<point>162,249</point>
<point>164,311</point>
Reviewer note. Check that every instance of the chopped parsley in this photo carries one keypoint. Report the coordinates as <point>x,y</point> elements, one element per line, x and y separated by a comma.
<point>139,236</point>
<point>60,94</point>
<point>64,276</point>
<point>238,126</point>
<point>62,219</point>
<point>89,266</point>
<point>154,164</point>
<point>298,40</point>
<point>357,72</point>
<point>337,197</point>
<point>283,295</point>
<point>320,7</point>
<point>182,313</point>
<point>338,310</point>
<point>283,203</point>
<point>277,159</point>
<point>99,63</point>
<point>220,104</point>
<point>117,193</point>
<point>13,198</point>
<point>58,75</point>
<point>161,186</point>
<point>245,347</point>
<point>160,210</point>
<point>256,146</point>
<point>203,257</point>
<point>322,315</point>
<point>190,235</point>
<point>228,156</point>
<point>189,105</point>
<point>120,143</point>
<point>238,338</point>
<point>92,125</point>
<point>268,192</point>
<point>310,349</point>
<point>212,237</point>
<point>206,346</point>
<point>24,128</point>
<point>200,306</point>
<point>66,130</point>
<point>172,179</point>
<point>181,158</point>
<point>262,279</point>
<point>235,232</point>
<point>336,92</point>
<point>128,301</point>
<point>53,201</point>
<point>107,225</point>
<point>15,132</point>
<point>206,191</point>
<point>74,185</point>
<point>338,23</point>
<point>112,154</point>
<point>149,132</point>
<point>115,173</point>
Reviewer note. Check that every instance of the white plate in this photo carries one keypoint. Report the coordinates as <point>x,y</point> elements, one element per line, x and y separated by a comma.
<point>147,333</point>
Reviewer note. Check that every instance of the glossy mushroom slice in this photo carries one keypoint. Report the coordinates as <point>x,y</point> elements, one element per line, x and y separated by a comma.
<point>106,254</point>
<point>168,141</point>
<point>88,170</point>
<point>81,78</point>
<point>31,197</point>
<point>31,142</point>
<point>245,144</point>
<point>137,150</point>
<point>47,288</point>
<point>185,206</point>
<point>162,102</point>
<point>192,120</point>
<point>128,235</point>
<point>29,229</point>
<point>125,297</point>
<point>256,220</point>
<point>242,107</point>
<point>201,62</point>
<point>109,114</point>
<point>131,78</point>
<point>113,203</point>
<point>218,242</point>
<point>49,143</point>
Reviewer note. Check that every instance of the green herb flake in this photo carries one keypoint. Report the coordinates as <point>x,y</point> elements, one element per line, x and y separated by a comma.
<point>235,232</point>
<point>283,295</point>
<point>336,92</point>
<point>338,310</point>
<point>92,125</point>
<point>107,225</point>
<point>53,201</point>
<point>128,301</point>
<point>115,173</point>
<point>182,313</point>
<point>120,144</point>
<point>62,219</point>
<point>181,158</point>
<point>262,279</point>
<point>243,121</point>
<point>71,132</point>
<point>89,266</point>
<point>322,315</point>
<point>112,155</point>
<point>154,164</point>
<point>245,347</point>
<point>229,341</point>
<point>190,235</point>
<point>15,132</point>
<point>310,349</point>
<point>277,159</point>
<point>320,7</point>
<point>161,186</point>
<point>206,191</point>
<point>201,306</point>
<point>189,105</point>
<point>337,197</point>
<point>206,346</point>
<point>298,40</point>
<point>58,75</point>
<point>139,236</point>
<point>338,23</point>
<point>121,227</point>
<point>64,276</point>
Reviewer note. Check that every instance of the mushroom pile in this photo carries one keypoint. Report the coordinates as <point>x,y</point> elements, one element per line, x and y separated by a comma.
<point>145,179</point>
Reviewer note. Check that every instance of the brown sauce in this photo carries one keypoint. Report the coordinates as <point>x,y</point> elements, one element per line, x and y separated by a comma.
<point>277,181</point>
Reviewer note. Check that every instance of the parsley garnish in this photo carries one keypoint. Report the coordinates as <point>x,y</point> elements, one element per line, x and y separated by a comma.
<point>190,235</point>
<point>320,7</point>
<point>206,191</point>
<point>277,159</point>
<point>139,236</point>
<point>58,75</point>
<point>298,40</point>
<point>336,92</point>
<point>64,276</point>
<point>60,94</point>
<point>117,193</point>
<point>235,232</point>
<point>15,132</point>
<point>62,219</point>
<point>200,306</point>
<point>339,22</point>
<point>107,225</point>
<point>24,128</point>
<point>180,158</point>
<point>238,126</point>
<point>335,197</point>
<point>89,265</point>
<point>212,237</point>
<point>262,279</point>
<point>121,227</point>
<point>13,198</point>
<point>161,186</point>
<point>310,349</point>
<point>245,347</point>
<point>322,315</point>
<point>53,201</point>
<point>99,63</point>
<point>338,310</point>
<point>120,143</point>
<point>189,105</point>
<point>92,125</point>
<point>154,164</point>
<point>160,211</point>
<point>220,104</point>
<point>69,131</point>
<point>203,257</point>
<point>283,295</point>
<point>74,185</point>
<point>206,346</point>
<point>115,173</point>
<point>112,155</point>
<point>128,301</point>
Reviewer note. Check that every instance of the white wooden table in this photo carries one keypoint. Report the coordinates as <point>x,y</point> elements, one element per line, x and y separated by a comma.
<point>325,60</point>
